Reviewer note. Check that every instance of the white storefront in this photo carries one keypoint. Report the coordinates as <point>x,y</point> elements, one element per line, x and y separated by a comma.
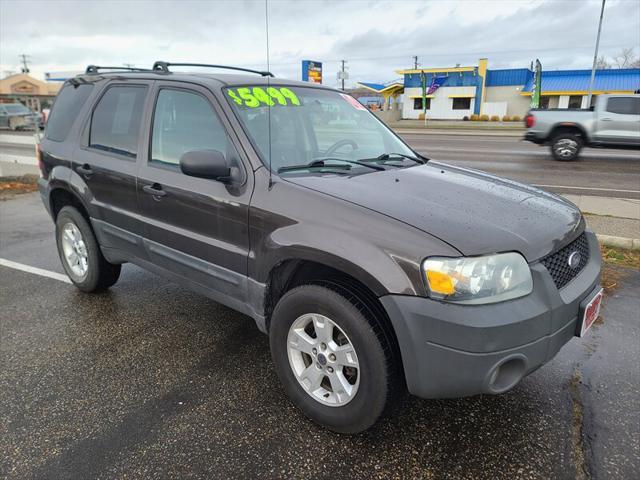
<point>445,103</point>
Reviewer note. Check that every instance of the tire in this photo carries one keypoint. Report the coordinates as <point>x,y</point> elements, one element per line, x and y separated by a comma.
<point>372,383</point>
<point>99,274</point>
<point>566,147</point>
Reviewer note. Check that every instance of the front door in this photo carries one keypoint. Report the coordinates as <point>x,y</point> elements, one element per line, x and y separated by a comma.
<point>106,163</point>
<point>619,122</point>
<point>196,228</point>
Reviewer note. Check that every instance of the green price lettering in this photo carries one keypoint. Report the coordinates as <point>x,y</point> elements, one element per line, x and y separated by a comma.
<point>235,97</point>
<point>290,95</point>
<point>253,97</point>
<point>249,99</point>
<point>275,93</point>
<point>262,96</point>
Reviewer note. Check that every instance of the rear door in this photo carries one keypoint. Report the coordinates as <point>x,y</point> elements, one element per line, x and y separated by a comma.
<point>619,121</point>
<point>195,228</point>
<point>106,162</point>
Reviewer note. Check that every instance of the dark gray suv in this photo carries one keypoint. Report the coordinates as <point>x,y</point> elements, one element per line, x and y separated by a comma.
<point>372,269</point>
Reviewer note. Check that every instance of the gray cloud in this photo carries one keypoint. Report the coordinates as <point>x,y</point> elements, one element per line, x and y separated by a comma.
<point>375,37</point>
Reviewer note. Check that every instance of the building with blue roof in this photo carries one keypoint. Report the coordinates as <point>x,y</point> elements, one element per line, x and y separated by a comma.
<point>458,92</point>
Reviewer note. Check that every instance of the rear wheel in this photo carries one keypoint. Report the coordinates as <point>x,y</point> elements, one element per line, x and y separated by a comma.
<point>331,358</point>
<point>566,147</point>
<point>80,254</point>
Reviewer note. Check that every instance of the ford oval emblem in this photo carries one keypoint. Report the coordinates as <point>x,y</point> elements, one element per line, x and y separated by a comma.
<point>574,260</point>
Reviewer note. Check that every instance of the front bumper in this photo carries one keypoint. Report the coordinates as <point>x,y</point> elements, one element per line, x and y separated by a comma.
<point>451,350</point>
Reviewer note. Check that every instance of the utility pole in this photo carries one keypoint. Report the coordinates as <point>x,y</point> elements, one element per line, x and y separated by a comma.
<point>24,59</point>
<point>415,62</point>
<point>342,73</point>
<point>595,57</point>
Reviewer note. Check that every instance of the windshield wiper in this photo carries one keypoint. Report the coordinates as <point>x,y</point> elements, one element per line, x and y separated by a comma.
<point>387,156</point>
<point>352,162</point>
<point>313,164</point>
<point>320,162</point>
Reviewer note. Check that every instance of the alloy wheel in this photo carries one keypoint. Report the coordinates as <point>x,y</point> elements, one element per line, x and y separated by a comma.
<point>323,360</point>
<point>75,250</point>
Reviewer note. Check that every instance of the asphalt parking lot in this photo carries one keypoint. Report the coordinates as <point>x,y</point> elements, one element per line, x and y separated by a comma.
<point>149,380</point>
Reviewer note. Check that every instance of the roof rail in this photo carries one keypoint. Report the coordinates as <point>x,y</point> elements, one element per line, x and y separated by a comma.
<point>96,68</point>
<point>164,67</point>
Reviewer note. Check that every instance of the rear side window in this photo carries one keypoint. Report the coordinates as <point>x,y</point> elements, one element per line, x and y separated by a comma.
<point>183,122</point>
<point>65,110</point>
<point>115,122</point>
<point>624,106</point>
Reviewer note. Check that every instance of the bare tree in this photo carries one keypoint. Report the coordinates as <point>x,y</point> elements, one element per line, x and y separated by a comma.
<point>602,63</point>
<point>627,59</point>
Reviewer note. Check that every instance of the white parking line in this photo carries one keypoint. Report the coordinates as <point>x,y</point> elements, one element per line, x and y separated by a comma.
<point>34,270</point>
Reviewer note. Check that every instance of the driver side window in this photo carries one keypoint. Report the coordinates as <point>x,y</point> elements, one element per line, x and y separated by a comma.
<point>185,121</point>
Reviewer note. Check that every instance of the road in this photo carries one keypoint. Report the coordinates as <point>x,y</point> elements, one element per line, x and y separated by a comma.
<point>600,172</point>
<point>149,380</point>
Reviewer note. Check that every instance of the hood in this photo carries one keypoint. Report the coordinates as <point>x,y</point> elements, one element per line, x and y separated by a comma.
<point>475,212</point>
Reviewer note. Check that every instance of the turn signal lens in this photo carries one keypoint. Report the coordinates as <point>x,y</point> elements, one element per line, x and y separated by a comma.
<point>440,282</point>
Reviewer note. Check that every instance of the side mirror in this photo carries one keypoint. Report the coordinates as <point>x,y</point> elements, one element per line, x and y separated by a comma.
<point>206,164</point>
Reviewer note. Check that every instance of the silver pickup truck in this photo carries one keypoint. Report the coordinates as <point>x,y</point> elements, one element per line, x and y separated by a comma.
<point>614,122</point>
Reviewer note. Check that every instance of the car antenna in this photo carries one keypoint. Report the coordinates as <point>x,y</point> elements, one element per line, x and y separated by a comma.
<point>266,20</point>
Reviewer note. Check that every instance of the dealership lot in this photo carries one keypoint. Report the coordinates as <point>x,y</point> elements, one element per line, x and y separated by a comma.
<point>150,380</point>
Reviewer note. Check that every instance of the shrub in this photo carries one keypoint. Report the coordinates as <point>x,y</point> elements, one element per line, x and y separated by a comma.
<point>495,118</point>
<point>516,118</point>
<point>465,118</point>
<point>484,118</point>
<point>475,118</point>
<point>421,116</point>
<point>506,118</point>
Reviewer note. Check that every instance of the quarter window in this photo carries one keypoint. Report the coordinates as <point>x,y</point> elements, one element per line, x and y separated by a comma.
<point>65,110</point>
<point>461,104</point>
<point>624,105</point>
<point>115,123</point>
<point>184,122</point>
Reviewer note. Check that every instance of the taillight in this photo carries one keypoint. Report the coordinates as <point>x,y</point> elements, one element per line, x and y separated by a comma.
<point>39,159</point>
<point>529,121</point>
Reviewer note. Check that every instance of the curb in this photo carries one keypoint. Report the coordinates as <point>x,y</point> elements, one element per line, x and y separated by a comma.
<point>470,133</point>
<point>619,242</point>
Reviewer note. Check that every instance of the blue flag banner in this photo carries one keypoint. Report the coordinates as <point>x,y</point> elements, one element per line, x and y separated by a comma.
<point>436,83</point>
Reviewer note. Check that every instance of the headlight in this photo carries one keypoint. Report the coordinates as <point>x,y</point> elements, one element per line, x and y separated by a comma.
<point>476,280</point>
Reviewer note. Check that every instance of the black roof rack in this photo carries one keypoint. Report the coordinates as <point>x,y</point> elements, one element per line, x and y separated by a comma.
<point>97,68</point>
<point>164,67</point>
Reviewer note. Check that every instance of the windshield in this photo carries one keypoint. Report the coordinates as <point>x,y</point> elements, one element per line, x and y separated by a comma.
<point>309,124</point>
<point>16,108</point>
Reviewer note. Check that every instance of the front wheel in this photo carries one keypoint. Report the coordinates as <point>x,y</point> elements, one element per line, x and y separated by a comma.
<point>330,358</point>
<point>566,147</point>
<point>80,254</point>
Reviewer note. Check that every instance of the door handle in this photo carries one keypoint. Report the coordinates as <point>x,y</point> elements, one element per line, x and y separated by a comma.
<point>605,119</point>
<point>155,190</point>
<point>84,169</point>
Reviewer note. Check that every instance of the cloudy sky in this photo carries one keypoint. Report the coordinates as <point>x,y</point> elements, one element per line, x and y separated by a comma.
<point>375,37</point>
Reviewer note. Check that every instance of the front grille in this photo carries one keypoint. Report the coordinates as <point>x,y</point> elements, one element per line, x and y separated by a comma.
<point>558,263</point>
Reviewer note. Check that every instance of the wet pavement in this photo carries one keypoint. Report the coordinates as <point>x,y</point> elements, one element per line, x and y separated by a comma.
<point>149,380</point>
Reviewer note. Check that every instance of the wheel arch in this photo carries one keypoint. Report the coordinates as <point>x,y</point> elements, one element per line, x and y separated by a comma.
<point>295,272</point>
<point>568,127</point>
<point>60,197</point>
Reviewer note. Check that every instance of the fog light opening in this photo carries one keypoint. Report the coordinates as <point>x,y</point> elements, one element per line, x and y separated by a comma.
<point>506,375</point>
